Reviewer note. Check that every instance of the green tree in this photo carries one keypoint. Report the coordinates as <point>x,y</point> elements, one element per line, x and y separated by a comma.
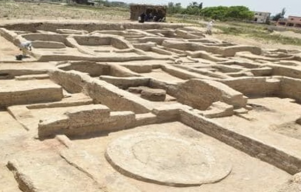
<point>228,13</point>
<point>194,4</point>
<point>174,8</point>
<point>279,15</point>
<point>178,8</point>
<point>170,8</point>
<point>240,13</point>
<point>192,9</point>
<point>217,13</point>
<point>201,6</point>
<point>283,11</point>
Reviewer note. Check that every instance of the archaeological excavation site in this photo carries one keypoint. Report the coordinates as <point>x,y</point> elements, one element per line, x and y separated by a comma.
<point>153,107</point>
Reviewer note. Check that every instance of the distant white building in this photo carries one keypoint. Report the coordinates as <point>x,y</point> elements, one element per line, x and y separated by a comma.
<point>261,17</point>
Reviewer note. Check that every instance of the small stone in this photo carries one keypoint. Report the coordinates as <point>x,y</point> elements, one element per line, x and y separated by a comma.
<point>178,61</point>
<point>296,178</point>
<point>135,89</point>
<point>154,94</point>
<point>241,111</point>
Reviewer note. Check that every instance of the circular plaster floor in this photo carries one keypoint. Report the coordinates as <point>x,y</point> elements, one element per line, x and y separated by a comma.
<point>165,159</point>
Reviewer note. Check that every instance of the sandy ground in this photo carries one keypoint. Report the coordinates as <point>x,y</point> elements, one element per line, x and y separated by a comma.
<point>163,76</point>
<point>32,11</point>
<point>290,129</point>
<point>11,132</point>
<point>288,34</point>
<point>15,11</point>
<point>242,178</point>
<point>8,50</point>
<point>272,119</point>
<point>267,112</point>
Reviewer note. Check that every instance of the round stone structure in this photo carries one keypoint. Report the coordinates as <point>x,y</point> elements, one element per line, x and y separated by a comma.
<point>164,159</point>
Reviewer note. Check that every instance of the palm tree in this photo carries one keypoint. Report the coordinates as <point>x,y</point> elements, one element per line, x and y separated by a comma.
<point>283,12</point>
<point>279,15</point>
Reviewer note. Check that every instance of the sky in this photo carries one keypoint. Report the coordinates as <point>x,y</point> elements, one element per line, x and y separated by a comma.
<point>293,7</point>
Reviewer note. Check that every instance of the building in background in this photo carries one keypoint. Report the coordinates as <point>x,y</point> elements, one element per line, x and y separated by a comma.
<point>291,21</point>
<point>138,9</point>
<point>261,17</point>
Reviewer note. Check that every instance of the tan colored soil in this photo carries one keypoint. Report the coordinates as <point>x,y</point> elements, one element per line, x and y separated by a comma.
<point>44,165</point>
<point>268,119</point>
<point>289,34</point>
<point>242,177</point>
<point>8,51</point>
<point>163,76</point>
<point>33,11</point>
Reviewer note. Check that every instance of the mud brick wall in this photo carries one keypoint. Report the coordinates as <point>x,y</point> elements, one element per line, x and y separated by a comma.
<point>248,145</point>
<point>254,87</point>
<point>88,26</point>
<point>201,94</point>
<point>286,71</point>
<point>291,88</point>
<point>31,95</point>
<point>100,91</point>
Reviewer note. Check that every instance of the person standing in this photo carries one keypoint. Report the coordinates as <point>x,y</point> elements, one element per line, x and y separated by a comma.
<point>142,18</point>
<point>209,27</point>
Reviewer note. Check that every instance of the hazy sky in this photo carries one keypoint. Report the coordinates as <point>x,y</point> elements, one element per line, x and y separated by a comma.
<point>293,7</point>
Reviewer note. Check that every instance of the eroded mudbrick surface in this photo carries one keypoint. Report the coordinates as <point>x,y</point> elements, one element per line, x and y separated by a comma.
<point>168,160</point>
<point>128,107</point>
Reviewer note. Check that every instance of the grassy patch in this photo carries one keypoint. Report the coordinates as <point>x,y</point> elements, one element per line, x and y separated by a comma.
<point>260,34</point>
<point>184,20</point>
<point>95,8</point>
<point>250,30</point>
<point>26,10</point>
<point>277,39</point>
<point>230,30</point>
<point>248,25</point>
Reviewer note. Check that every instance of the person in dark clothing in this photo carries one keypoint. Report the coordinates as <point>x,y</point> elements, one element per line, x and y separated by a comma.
<point>142,18</point>
<point>151,16</point>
